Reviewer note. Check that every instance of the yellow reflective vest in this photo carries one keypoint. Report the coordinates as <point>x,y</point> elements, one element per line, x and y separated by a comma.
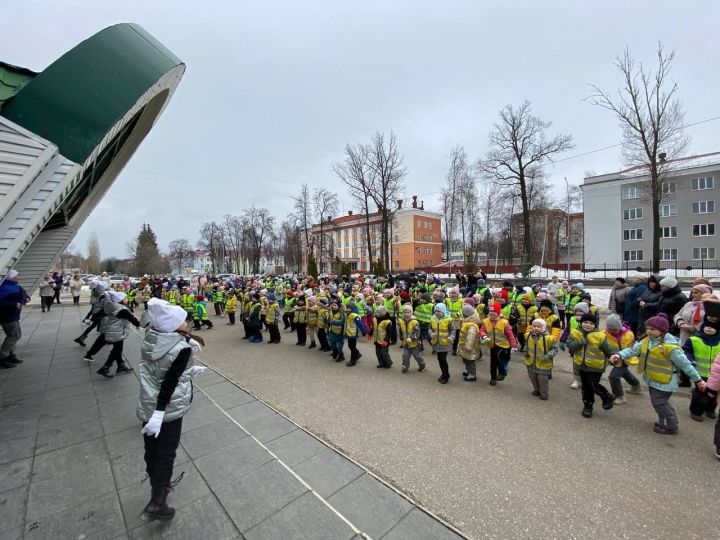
<point>655,361</point>
<point>496,333</point>
<point>381,330</point>
<point>536,351</point>
<point>440,331</point>
<point>590,355</point>
<point>407,329</point>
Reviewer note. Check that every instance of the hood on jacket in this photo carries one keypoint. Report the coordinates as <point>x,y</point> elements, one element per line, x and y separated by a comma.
<point>157,344</point>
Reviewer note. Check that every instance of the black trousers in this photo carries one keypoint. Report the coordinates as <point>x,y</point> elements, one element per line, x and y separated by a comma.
<point>442,361</point>
<point>354,353</point>
<point>160,453</point>
<point>56,295</point>
<point>46,302</point>
<point>392,331</point>
<point>115,355</point>
<point>274,332</point>
<point>97,345</point>
<point>498,357</point>
<point>700,402</point>
<point>322,338</point>
<point>590,381</point>
<point>89,329</point>
<point>288,321</point>
<point>301,329</point>
<point>231,317</point>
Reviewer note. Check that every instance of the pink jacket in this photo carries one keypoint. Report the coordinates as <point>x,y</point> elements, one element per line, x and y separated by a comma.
<point>714,379</point>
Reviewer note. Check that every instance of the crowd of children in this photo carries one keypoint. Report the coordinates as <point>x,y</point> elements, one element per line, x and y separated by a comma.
<point>537,321</point>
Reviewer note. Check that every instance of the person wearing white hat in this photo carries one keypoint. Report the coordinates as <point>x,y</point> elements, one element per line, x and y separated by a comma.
<point>113,330</point>
<point>12,298</point>
<point>166,371</point>
<point>97,299</point>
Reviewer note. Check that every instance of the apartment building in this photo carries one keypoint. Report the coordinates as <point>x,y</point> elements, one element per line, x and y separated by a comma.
<point>415,238</point>
<point>618,213</point>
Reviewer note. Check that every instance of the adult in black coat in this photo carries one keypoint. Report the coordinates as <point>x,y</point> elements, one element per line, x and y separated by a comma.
<point>672,300</point>
<point>649,302</point>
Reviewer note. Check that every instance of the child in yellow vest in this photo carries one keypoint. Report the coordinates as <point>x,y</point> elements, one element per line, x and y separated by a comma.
<point>442,336</point>
<point>498,337</point>
<point>409,330</point>
<point>660,358</point>
<point>521,315</point>
<point>469,345</point>
<point>590,350</point>
<point>621,337</point>
<point>539,354</point>
<point>272,310</point>
<point>230,307</point>
<point>312,320</point>
<point>381,324</point>
<point>353,326</point>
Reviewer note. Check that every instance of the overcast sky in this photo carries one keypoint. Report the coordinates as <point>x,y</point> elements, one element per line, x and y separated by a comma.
<point>274,90</point>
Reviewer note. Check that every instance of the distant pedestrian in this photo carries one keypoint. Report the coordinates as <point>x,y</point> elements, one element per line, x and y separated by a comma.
<point>616,302</point>
<point>12,299</point>
<point>75,288</point>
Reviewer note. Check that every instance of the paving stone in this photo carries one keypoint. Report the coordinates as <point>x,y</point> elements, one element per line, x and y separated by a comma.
<point>305,518</point>
<point>55,438</point>
<point>135,496</point>
<point>15,474</point>
<point>259,494</point>
<point>270,427</point>
<point>418,525</point>
<point>219,389</point>
<point>72,380</point>
<point>10,429</point>
<point>71,460</point>
<point>249,412</point>
<point>95,518</point>
<point>67,391</point>
<point>118,406</point>
<point>62,419</point>
<point>295,447</point>
<point>232,462</point>
<point>371,506</point>
<point>70,403</point>
<point>210,437</point>
<point>128,390</point>
<point>12,509</point>
<point>51,496</point>
<point>209,378</point>
<point>203,518</point>
<point>327,472</point>
<point>16,449</point>
<point>239,397</point>
<point>200,415</point>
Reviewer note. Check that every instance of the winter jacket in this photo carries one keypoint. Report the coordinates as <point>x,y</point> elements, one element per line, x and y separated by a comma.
<point>686,316</point>
<point>114,326</point>
<point>11,294</point>
<point>632,297</point>
<point>469,340</point>
<point>713,381</point>
<point>616,303</point>
<point>671,302</point>
<point>47,288</point>
<point>651,297</point>
<point>76,286</point>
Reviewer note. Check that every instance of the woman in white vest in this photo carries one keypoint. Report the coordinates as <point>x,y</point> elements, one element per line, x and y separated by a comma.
<point>166,391</point>
<point>114,328</point>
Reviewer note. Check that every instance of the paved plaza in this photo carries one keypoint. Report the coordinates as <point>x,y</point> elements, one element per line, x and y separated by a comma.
<point>71,462</point>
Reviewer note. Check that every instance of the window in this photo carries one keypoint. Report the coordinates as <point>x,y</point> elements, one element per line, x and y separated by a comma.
<point>633,213</point>
<point>668,254</point>
<point>667,210</point>
<point>667,188</point>
<point>699,184</point>
<point>668,232</point>
<point>419,224</point>
<point>419,263</point>
<point>704,230</point>
<point>703,253</point>
<point>425,237</point>
<point>424,224</point>
<point>633,234</point>
<point>630,192</point>
<point>430,251</point>
<point>417,250</point>
<point>397,264</point>
<point>703,207</point>
<point>396,238</point>
<point>396,251</point>
<point>633,255</point>
<point>429,224</point>
<point>419,236</point>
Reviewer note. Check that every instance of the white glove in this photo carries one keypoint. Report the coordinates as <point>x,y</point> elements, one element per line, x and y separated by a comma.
<point>485,340</point>
<point>197,370</point>
<point>196,348</point>
<point>514,349</point>
<point>154,424</point>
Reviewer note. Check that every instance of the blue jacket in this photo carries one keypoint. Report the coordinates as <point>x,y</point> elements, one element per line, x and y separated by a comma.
<point>11,294</point>
<point>632,309</point>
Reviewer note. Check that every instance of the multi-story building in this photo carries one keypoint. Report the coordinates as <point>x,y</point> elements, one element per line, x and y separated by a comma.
<point>557,237</point>
<point>415,239</point>
<point>618,213</point>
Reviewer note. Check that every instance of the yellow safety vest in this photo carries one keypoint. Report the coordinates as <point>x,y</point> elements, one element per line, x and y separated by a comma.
<point>312,316</point>
<point>704,355</point>
<point>655,361</point>
<point>271,314</point>
<point>380,333</point>
<point>407,328</point>
<point>628,338</point>
<point>351,324</point>
<point>590,355</point>
<point>496,333</point>
<point>525,316</point>
<point>464,329</point>
<point>536,351</point>
<point>440,331</point>
<point>300,315</point>
<point>335,327</point>
<point>454,307</point>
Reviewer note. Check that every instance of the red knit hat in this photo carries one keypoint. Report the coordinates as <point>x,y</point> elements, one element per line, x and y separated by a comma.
<point>199,297</point>
<point>405,295</point>
<point>496,308</point>
<point>504,294</point>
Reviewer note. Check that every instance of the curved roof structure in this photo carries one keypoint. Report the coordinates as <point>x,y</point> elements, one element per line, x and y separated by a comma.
<point>67,132</point>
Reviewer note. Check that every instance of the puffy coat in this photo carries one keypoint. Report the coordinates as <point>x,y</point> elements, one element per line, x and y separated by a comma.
<point>671,302</point>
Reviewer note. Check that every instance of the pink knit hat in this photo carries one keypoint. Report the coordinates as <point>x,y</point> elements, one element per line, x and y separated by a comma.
<point>659,322</point>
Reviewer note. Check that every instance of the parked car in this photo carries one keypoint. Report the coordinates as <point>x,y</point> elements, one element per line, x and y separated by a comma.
<point>411,276</point>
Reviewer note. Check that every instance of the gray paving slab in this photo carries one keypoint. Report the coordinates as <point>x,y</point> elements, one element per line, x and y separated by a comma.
<point>231,462</point>
<point>209,378</point>
<point>12,429</point>
<point>99,518</point>
<point>370,505</point>
<point>418,525</point>
<point>259,494</point>
<point>219,389</point>
<point>200,415</point>
<point>203,518</point>
<point>15,474</point>
<point>296,447</point>
<point>16,449</point>
<point>121,421</point>
<point>250,411</point>
<point>328,471</point>
<point>134,497</point>
<point>68,391</point>
<point>69,460</point>
<point>58,437</point>
<point>305,518</point>
<point>268,428</point>
<point>12,509</point>
<point>233,399</point>
<point>210,437</point>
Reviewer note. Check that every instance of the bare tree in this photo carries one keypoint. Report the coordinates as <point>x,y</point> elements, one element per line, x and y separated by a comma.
<point>290,245</point>
<point>652,120</point>
<point>303,212</point>
<point>357,174</point>
<point>93,258</point>
<point>518,151</point>
<point>259,225</point>
<point>211,239</point>
<point>325,204</point>
<point>386,164</point>
<point>180,252</point>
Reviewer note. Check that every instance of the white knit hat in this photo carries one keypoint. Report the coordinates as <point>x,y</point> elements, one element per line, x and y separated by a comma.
<point>165,318</point>
<point>12,274</point>
<point>117,297</point>
<point>669,282</point>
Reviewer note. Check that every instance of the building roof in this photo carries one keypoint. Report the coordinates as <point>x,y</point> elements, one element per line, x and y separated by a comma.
<point>674,165</point>
<point>12,79</point>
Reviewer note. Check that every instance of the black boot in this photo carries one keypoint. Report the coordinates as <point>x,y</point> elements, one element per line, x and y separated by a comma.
<point>157,508</point>
<point>80,341</point>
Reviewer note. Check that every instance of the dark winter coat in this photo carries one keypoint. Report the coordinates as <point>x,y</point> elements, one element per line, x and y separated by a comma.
<point>11,294</point>
<point>651,297</point>
<point>632,309</point>
<point>671,302</point>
